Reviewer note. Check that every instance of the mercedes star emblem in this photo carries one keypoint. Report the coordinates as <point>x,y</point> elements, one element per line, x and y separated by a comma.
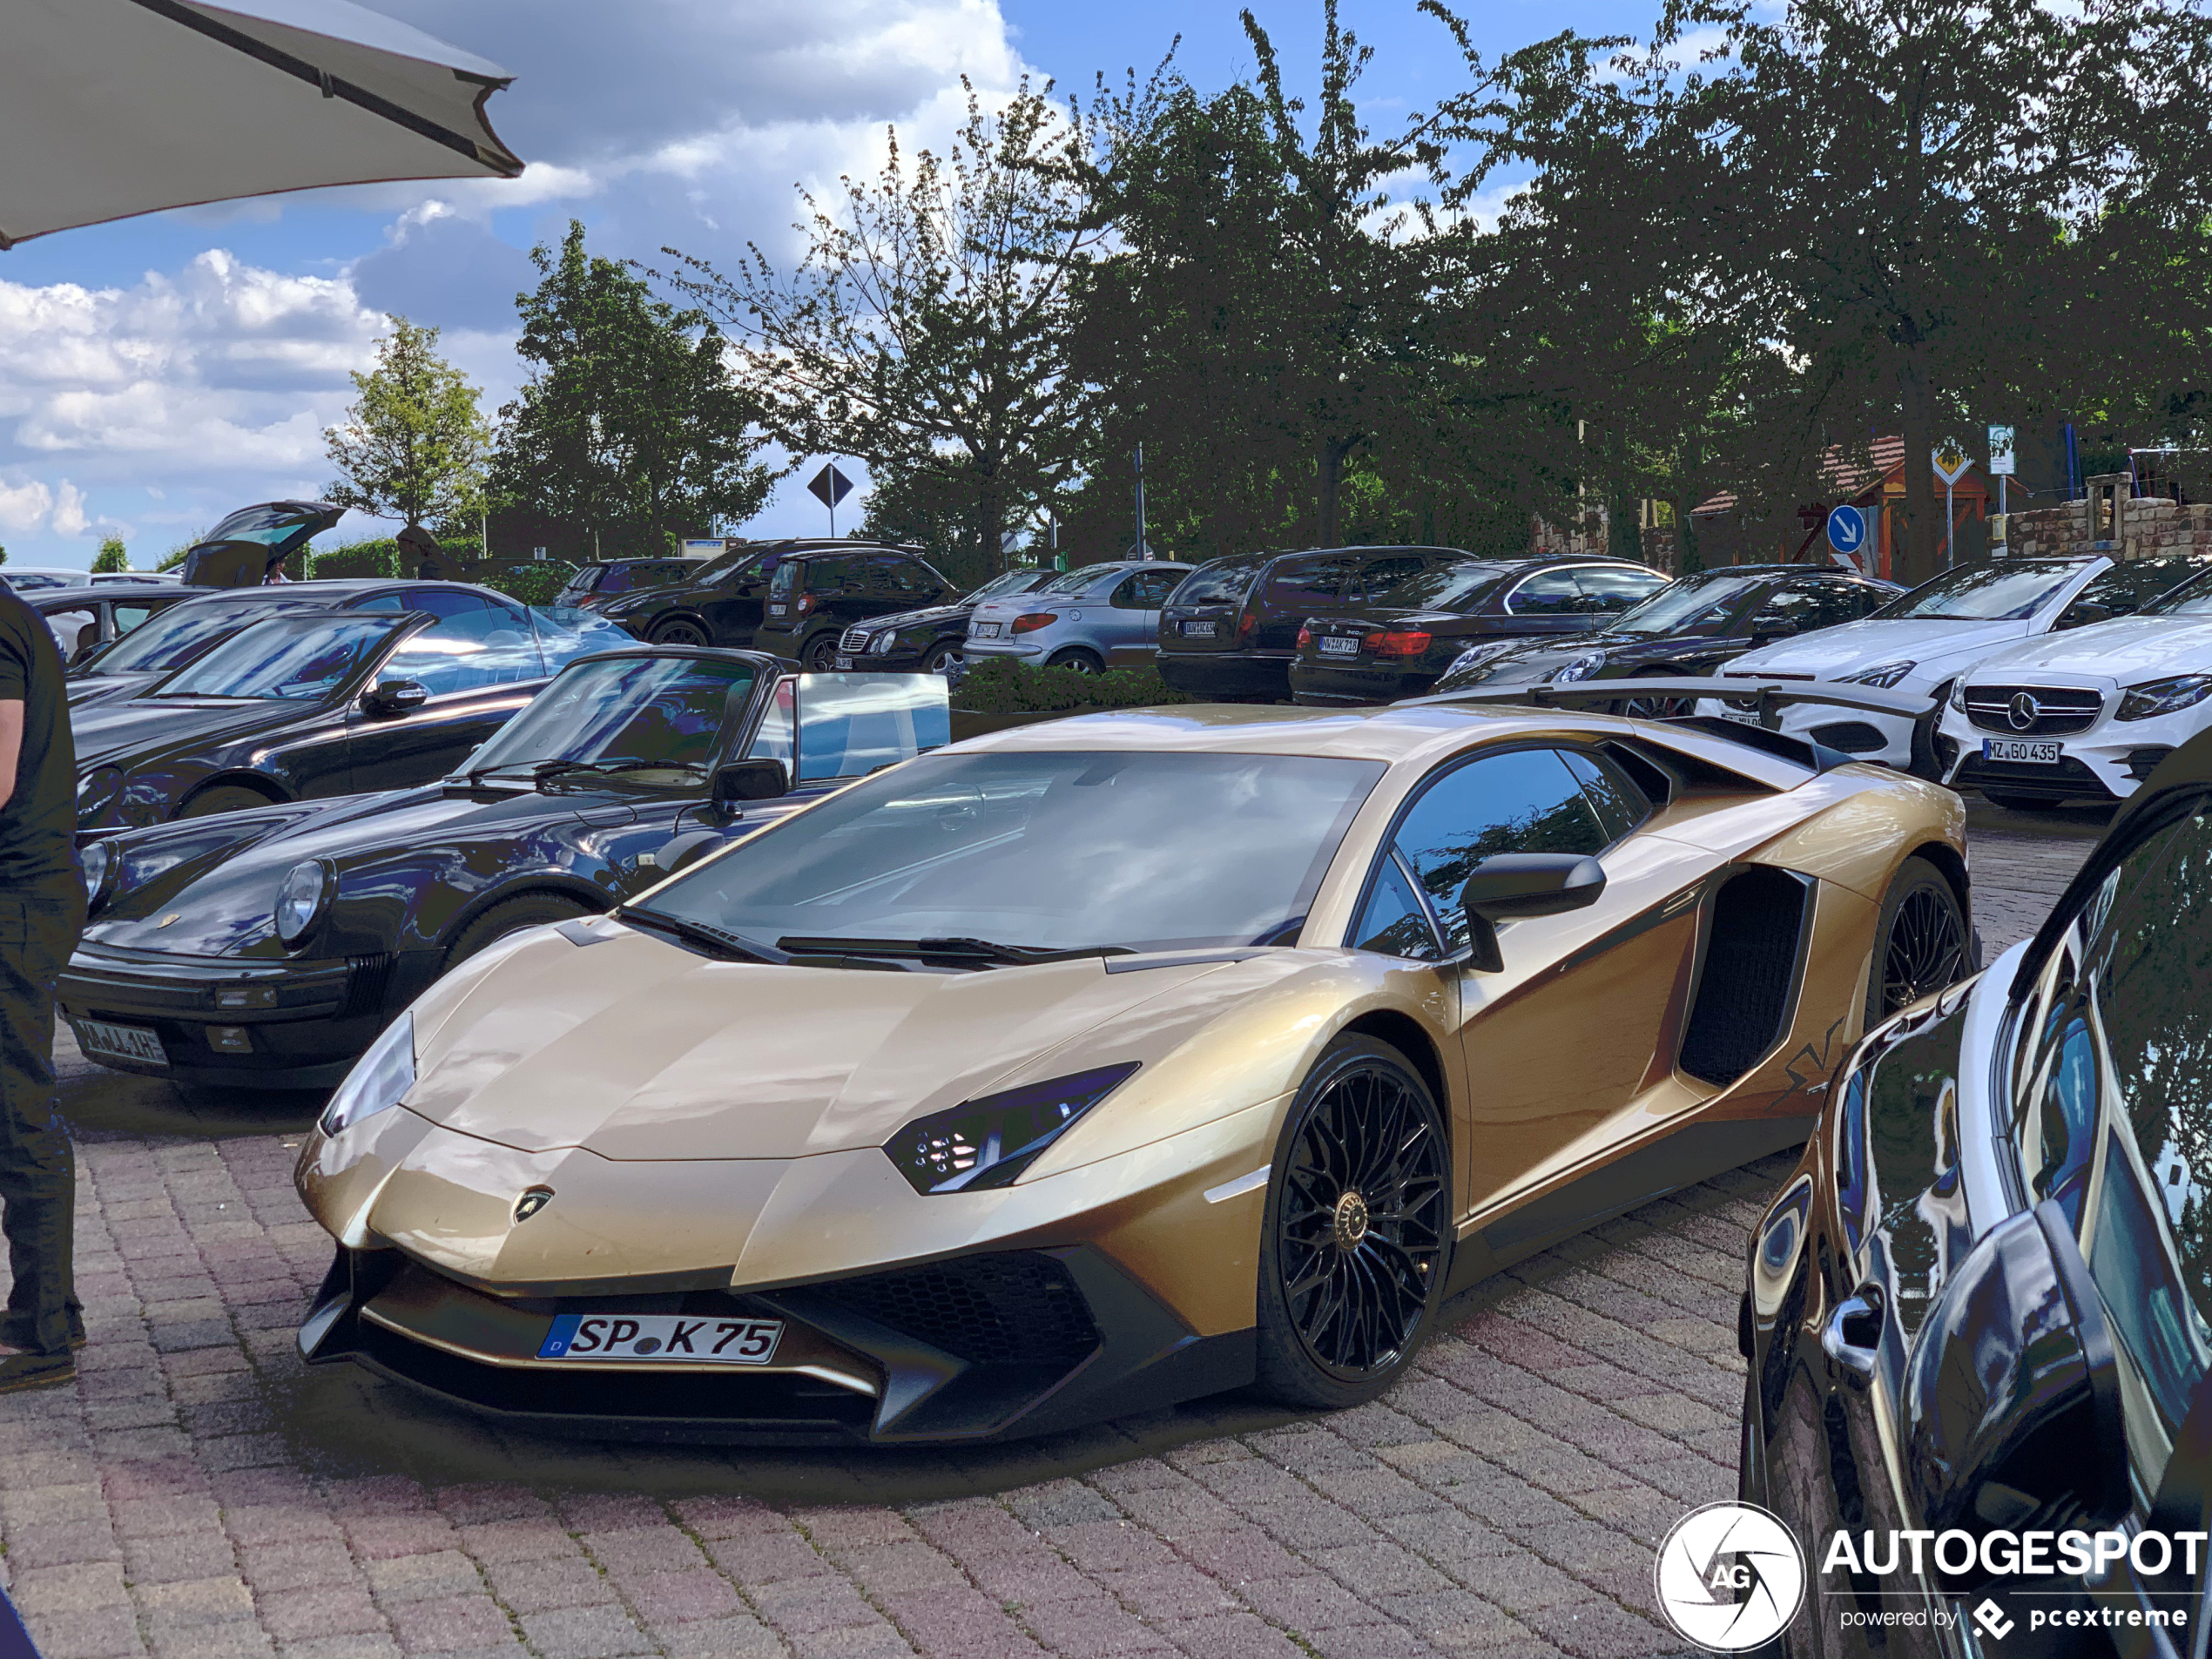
<point>2024,712</point>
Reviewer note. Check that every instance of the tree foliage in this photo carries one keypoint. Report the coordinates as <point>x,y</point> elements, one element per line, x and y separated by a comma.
<point>112,557</point>
<point>925,327</point>
<point>631,424</point>
<point>411,446</point>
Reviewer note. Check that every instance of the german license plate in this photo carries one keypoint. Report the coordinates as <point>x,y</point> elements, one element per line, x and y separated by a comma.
<point>777,610</point>
<point>662,1338</point>
<point>2036,752</point>
<point>985,630</point>
<point>121,1041</point>
<point>1744,717</point>
<point>844,663</point>
<point>1340,646</point>
<point>1197,630</point>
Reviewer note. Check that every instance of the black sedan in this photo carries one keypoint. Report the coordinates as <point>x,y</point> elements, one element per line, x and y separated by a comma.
<point>927,641</point>
<point>1398,643</point>
<point>1978,1315</point>
<point>298,706</point>
<point>1691,626</point>
<point>268,948</point>
<point>184,634</point>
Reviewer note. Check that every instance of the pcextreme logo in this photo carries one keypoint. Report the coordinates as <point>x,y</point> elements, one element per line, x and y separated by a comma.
<point>1729,1577</point>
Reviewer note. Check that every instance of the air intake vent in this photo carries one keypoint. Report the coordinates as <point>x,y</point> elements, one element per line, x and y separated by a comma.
<point>988,1309</point>
<point>1744,992</point>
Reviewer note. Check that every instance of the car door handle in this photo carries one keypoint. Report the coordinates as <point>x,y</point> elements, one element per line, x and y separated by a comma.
<point>1852,1335</point>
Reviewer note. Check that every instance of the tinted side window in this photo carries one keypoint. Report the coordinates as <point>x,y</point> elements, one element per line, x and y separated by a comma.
<point>446,604</point>
<point>1219,582</point>
<point>1379,575</point>
<point>1620,805</point>
<point>832,575</point>
<point>1307,582</point>
<point>1547,593</point>
<point>1394,922</point>
<point>1524,801</point>
<point>381,602</point>
<point>1146,590</point>
<point>445,660</point>
<point>1607,591</point>
<point>1818,604</point>
<point>2128,587</point>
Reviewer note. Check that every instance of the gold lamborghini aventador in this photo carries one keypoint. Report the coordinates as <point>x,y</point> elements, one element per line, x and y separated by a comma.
<point>1113,1061</point>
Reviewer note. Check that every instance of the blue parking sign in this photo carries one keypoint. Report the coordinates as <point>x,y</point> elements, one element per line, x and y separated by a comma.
<point>1847,530</point>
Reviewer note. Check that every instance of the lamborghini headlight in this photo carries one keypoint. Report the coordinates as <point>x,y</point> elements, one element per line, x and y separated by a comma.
<point>2154,698</point>
<point>300,901</point>
<point>377,1081</point>
<point>1883,676</point>
<point>988,1142</point>
<point>1580,669</point>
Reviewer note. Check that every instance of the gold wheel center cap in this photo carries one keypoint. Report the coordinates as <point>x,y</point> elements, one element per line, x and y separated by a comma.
<point>1352,1220</point>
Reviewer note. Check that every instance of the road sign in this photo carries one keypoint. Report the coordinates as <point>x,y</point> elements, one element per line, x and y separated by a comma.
<point>2001,452</point>
<point>1847,530</point>
<point>1951,464</point>
<point>830,486</point>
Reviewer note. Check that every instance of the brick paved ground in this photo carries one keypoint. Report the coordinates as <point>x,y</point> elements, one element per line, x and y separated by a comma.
<point>200,1494</point>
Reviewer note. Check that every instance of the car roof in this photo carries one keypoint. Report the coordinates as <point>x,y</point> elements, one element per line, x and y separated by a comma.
<point>63,598</point>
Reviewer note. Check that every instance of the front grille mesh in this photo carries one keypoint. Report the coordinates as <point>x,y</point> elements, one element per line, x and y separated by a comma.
<point>1020,1310</point>
<point>2064,709</point>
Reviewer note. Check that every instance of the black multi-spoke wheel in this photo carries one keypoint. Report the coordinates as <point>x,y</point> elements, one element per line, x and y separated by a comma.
<point>1357,1230</point>
<point>1920,943</point>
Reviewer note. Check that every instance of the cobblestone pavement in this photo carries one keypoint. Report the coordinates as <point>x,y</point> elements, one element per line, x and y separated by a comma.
<point>199,1494</point>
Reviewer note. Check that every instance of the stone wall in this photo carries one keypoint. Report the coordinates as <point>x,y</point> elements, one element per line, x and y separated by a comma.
<point>2150,524</point>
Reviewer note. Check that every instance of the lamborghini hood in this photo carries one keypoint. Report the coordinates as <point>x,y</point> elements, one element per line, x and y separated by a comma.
<point>635,1049</point>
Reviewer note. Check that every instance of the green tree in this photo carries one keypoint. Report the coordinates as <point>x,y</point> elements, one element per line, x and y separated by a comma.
<point>411,446</point>
<point>925,329</point>
<point>112,557</point>
<point>632,425</point>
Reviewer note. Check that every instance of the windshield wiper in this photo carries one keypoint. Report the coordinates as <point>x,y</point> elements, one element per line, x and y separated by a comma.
<point>970,952</point>
<point>540,771</point>
<point>719,940</point>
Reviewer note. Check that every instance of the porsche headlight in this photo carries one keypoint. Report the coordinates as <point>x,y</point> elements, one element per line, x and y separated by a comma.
<point>1580,669</point>
<point>2154,698</point>
<point>988,1142</point>
<point>299,900</point>
<point>100,864</point>
<point>377,1081</point>
<point>1882,676</point>
<point>96,792</point>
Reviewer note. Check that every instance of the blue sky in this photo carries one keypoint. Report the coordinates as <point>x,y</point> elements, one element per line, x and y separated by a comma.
<point>157,373</point>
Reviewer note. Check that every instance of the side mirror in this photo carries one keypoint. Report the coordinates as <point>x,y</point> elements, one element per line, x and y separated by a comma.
<point>743,780</point>
<point>1772,624</point>
<point>2012,1394</point>
<point>394,696</point>
<point>1508,886</point>
<point>2084,612</point>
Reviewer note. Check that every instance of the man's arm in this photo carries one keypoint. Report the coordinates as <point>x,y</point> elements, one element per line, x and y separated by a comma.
<point>10,746</point>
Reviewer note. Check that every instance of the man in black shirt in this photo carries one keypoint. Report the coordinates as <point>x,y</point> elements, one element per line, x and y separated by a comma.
<point>41,911</point>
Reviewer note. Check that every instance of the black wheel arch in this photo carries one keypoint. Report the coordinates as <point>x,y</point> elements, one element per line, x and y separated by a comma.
<point>1404,1033</point>
<point>539,884</point>
<point>1953,868</point>
<point>239,778</point>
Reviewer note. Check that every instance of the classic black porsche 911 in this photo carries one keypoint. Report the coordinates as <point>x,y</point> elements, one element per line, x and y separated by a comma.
<point>266,948</point>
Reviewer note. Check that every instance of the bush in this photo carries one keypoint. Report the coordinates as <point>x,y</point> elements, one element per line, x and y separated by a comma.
<point>534,583</point>
<point>1001,685</point>
<point>360,560</point>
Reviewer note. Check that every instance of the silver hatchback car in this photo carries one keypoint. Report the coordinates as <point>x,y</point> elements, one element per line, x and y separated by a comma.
<point>1091,618</point>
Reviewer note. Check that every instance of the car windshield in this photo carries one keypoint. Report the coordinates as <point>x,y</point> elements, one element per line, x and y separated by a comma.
<point>2006,591</point>
<point>1076,580</point>
<point>185,631</point>
<point>641,715</point>
<point>296,659</point>
<point>1685,603</point>
<point>1448,587</point>
<point>1013,582</point>
<point>2192,598</point>
<point>1051,851</point>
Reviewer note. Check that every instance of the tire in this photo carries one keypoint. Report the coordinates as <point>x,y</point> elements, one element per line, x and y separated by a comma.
<point>819,653</point>
<point>510,916</point>
<point>1921,941</point>
<point>939,657</point>
<point>1348,1294</point>
<point>224,798</point>
<point>2012,802</point>
<point>1083,662</point>
<point>680,632</point>
<point>1922,761</point>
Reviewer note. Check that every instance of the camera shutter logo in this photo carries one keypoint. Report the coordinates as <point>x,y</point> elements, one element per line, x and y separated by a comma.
<point>1729,1577</point>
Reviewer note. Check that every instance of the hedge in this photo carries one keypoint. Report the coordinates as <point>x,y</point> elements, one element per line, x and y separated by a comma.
<point>1003,685</point>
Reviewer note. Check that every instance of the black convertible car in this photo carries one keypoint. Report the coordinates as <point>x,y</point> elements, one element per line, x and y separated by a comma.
<point>1690,626</point>
<point>266,949</point>
<point>298,706</point>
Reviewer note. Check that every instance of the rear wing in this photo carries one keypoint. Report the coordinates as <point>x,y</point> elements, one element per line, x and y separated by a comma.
<point>1765,698</point>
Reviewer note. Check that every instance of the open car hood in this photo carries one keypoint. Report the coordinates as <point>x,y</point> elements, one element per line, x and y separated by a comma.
<point>635,1049</point>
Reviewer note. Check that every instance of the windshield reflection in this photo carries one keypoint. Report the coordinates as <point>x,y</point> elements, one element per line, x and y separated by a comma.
<point>1693,600</point>
<point>665,713</point>
<point>2008,592</point>
<point>295,658</point>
